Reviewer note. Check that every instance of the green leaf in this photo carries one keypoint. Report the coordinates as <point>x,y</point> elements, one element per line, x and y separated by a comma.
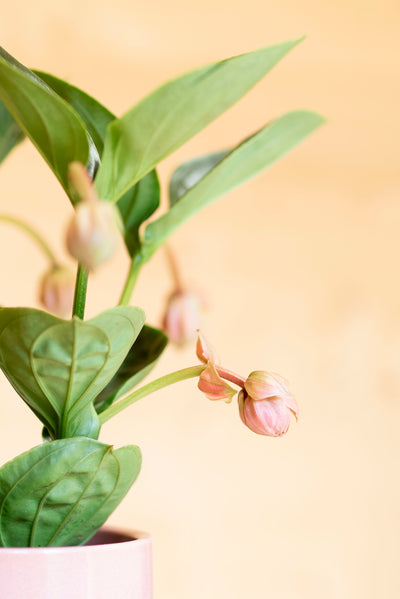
<point>190,173</point>
<point>95,116</point>
<point>136,206</point>
<point>61,492</point>
<point>59,367</point>
<point>139,362</point>
<point>53,126</point>
<point>249,158</point>
<point>10,133</point>
<point>174,113</point>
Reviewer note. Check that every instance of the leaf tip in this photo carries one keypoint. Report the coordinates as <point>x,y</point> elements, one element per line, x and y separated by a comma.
<point>294,42</point>
<point>314,118</point>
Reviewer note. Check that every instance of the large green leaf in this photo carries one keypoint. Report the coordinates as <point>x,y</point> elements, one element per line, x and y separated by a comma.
<point>60,493</point>
<point>52,125</point>
<point>189,173</point>
<point>245,161</point>
<point>10,133</point>
<point>139,362</point>
<point>174,113</point>
<point>59,367</point>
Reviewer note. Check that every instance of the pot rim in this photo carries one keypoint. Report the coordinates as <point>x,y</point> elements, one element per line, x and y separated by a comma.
<point>128,537</point>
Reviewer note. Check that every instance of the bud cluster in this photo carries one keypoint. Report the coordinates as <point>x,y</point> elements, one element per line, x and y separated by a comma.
<point>265,403</point>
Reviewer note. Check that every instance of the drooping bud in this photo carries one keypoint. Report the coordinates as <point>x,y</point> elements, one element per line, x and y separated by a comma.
<point>213,386</point>
<point>181,317</point>
<point>56,290</point>
<point>266,405</point>
<point>93,232</point>
<point>265,402</point>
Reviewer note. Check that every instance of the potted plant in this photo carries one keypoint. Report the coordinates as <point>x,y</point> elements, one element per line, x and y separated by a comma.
<point>76,374</point>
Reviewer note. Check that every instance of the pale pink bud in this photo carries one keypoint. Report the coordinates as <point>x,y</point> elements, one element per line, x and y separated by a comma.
<point>181,317</point>
<point>214,387</point>
<point>56,291</point>
<point>93,232</point>
<point>266,405</point>
<point>204,351</point>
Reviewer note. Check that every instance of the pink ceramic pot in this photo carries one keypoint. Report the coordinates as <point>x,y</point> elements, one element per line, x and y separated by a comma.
<point>114,565</point>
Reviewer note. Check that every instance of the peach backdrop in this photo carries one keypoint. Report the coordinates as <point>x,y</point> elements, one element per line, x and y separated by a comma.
<point>300,268</point>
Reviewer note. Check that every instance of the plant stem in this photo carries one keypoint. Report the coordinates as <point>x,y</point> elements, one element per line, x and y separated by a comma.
<point>80,292</point>
<point>32,233</point>
<point>174,268</point>
<point>228,375</point>
<point>133,273</point>
<point>164,381</point>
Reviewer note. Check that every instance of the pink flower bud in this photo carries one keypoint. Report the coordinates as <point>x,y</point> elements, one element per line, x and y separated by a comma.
<point>181,317</point>
<point>56,291</point>
<point>214,387</point>
<point>93,232</point>
<point>266,405</point>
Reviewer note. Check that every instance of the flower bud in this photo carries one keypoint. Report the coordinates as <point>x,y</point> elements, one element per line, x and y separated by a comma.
<point>181,317</point>
<point>93,233</point>
<point>266,405</point>
<point>214,387</point>
<point>56,291</point>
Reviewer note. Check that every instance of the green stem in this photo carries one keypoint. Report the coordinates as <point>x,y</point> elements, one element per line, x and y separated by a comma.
<point>32,233</point>
<point>133,273</point>
<point>164,381</point>
<point>80,292</point>
<point>174,268</point>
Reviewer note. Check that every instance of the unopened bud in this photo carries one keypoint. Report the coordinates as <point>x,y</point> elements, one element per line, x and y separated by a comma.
<point>181,317</point>
<point>93,232</point>
<point>266,405</point>
<point>56,291</point>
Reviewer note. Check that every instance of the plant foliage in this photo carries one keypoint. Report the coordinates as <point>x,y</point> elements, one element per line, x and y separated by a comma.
<point>70,372</point>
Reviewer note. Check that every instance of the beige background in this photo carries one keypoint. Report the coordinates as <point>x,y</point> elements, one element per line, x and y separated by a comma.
<point>301,270</point>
